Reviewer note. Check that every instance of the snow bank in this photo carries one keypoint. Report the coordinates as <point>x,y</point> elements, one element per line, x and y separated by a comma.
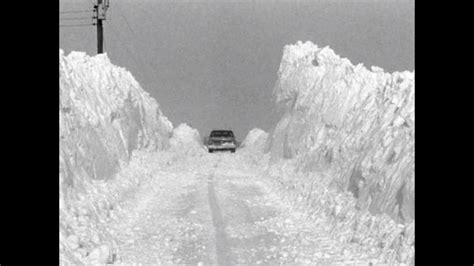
<point>357,124</point>
<point>104,117</point>
<point>348,130</point>
<point>255,140</point>
<point>251,150</point>
<point>186,140</point>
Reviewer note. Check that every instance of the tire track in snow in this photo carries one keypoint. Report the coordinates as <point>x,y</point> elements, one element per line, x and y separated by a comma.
<point>222,254</point>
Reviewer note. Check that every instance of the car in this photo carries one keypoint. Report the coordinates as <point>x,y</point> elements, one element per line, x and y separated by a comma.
<point>221,140</point>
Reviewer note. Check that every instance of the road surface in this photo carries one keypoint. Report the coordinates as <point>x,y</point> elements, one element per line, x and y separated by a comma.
<point>216,209</point>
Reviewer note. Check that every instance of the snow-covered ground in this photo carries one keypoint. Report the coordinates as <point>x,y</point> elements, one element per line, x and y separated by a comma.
<point>216,209</point>
<point>135,190</point>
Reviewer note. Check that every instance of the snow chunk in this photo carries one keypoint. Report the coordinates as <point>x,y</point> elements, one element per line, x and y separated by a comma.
<point>98,255</point>
<point>72,242</point>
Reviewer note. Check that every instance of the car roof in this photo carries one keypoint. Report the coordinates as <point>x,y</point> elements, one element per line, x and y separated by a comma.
<point>221,130</point>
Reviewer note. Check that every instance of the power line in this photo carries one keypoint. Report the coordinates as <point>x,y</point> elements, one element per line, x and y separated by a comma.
<point>75,18</point>
<point>98,15</point>
<point>76,25</point>
<point>82,11</point>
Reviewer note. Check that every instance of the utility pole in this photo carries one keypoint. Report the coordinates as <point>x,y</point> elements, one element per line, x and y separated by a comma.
<point>100,10</point>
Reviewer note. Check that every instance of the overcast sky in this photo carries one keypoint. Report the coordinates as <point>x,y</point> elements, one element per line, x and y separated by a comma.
<point>213,64</point>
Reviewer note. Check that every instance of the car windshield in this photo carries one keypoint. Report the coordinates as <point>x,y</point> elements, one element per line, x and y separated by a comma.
<point>226,134</point>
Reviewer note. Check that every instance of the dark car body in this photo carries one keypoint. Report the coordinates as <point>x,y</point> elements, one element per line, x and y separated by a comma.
<point>221,140</point>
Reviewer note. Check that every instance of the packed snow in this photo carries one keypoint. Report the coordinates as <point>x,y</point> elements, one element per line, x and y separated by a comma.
<point>331,184</point>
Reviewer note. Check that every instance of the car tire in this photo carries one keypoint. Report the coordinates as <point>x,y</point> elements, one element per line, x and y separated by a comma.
<point>211,150</point>
<point>232,150</point>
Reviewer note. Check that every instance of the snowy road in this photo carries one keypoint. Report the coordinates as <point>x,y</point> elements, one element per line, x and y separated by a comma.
<point>215,210</point>
<point>331,183</point>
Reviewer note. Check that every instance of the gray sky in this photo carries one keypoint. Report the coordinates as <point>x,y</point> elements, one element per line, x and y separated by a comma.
<point>213,64</point>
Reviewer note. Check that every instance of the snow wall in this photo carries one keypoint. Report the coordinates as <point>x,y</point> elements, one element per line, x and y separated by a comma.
<point>104,117</point>
<point>351,122</point>
<point>345,144</point>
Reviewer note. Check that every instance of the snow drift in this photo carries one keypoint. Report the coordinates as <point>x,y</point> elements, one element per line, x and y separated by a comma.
<point>104,117</point>
<point>186,140</point>
<point>251,150</point>
<point>255,140</point>
<point>352,122</point>
<point>347,133</point>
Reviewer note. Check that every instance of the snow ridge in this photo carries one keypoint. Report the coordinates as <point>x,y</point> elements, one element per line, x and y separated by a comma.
<point>356,123</point>
<point>105,116</point>
<point>349,132</point>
